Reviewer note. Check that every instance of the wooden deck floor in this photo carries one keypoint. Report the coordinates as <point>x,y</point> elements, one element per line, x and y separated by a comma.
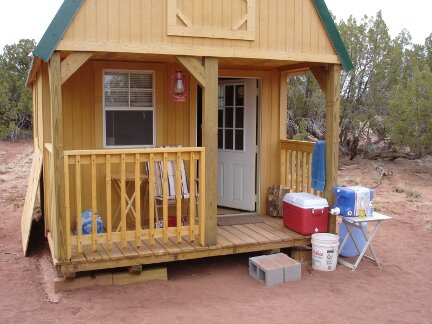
<point>271,234</point>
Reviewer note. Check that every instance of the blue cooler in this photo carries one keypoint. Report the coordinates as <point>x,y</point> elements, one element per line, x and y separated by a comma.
<point>350,199</point>
<point>349,250</point>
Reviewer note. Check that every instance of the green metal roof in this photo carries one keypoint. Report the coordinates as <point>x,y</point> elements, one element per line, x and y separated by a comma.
<point>57,28</point>
<point>69,9</point>
<point>333,33</point>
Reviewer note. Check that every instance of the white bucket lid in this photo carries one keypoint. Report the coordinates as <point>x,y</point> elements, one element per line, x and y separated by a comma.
<point>305,200</point>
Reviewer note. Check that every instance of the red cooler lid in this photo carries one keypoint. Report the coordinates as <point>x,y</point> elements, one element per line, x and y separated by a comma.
<point>305,200</point>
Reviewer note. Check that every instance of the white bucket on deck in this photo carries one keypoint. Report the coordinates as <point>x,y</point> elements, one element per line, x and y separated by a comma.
<point>324,251</point>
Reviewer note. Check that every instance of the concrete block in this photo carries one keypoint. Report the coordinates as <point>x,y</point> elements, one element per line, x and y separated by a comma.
<point>266,270</point>
<point>292,269</point>
<point>274,269</point>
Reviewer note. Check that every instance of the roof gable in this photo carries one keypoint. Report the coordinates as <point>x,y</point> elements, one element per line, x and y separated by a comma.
<point>70,8</point>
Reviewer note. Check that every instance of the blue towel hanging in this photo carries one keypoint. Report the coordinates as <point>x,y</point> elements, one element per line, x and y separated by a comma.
<point>318,166</point>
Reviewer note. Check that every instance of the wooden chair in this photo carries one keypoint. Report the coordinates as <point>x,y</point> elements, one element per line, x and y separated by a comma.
<point>158,188</point>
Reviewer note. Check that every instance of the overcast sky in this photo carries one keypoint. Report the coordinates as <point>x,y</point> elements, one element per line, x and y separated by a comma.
<point>30,18</point>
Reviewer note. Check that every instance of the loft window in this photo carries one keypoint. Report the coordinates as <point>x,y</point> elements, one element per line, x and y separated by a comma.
<point>128,108</point>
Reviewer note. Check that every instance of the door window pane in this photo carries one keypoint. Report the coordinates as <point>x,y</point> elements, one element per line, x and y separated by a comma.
<point>220,118</point>
<point>229,95</point>
<point>220,138</point>
<point>239,140</point>
<point>240,95</point>
<point>239,118</point>
<point>229,117</point>
<point>228,139</point>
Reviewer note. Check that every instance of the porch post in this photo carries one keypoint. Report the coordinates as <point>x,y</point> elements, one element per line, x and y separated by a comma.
<point>59,230</point>
<point>209,140</point>
<point>332,135</point>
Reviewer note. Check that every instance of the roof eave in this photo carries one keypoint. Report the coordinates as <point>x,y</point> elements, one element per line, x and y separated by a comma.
<point>334,35</point>
<point>57,28</point>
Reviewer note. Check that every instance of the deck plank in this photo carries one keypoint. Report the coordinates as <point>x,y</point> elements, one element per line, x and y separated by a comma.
<point>230,237</point>
<point>169,246</point>
<point>77,257</point>
<point>284,236</point>
<point>143,250</point>
<point>157,248</point>
<point>90,255</point>
<point>270,236</point>
<point>128,251</point>
<point>279,226</point>
<point>102,252</point>
<point>243,236</point>
<point>185,246</point>
<point>114,253</point>
<point>223,242</point>
<point>256,236</point>
<point>196,244</point>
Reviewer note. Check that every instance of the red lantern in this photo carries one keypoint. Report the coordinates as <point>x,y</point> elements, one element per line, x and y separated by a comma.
<point>179,91</point>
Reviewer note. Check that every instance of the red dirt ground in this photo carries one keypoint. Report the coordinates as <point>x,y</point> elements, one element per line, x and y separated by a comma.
<point>219,290</point>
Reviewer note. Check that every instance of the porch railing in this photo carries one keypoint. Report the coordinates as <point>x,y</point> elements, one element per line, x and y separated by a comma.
<point>91,175</point>
<point>296,166</point>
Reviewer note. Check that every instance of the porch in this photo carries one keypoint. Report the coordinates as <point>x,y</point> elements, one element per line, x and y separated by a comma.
<point>271,234</point>
<point>129,234</point>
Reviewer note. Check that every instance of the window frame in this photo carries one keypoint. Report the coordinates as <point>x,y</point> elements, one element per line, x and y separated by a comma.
<point>152,108</point>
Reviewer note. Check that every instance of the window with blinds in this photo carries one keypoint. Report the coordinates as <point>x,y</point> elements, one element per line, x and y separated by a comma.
<point>128,108</point>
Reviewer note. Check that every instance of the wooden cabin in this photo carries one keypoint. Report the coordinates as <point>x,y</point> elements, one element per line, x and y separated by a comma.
<point>108,114</point>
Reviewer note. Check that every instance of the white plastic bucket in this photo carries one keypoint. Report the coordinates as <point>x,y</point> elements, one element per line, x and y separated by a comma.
<point>324,251</point>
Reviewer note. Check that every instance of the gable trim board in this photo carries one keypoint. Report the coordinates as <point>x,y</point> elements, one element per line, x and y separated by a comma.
<point>57,28</point>
<point>69,9</point>
<point>334,34</point>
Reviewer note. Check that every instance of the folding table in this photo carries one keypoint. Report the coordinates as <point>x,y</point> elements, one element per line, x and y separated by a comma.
<point>357,222</point>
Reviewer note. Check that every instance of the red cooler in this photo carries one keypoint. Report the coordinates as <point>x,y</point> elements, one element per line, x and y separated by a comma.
<point>304,213</point>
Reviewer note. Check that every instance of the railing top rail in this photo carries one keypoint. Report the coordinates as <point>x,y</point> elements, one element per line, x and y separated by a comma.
<point>134,151</point>
<point>300,146</point>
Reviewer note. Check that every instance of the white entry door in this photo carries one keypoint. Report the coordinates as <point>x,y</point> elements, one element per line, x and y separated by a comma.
<point>237,144</point>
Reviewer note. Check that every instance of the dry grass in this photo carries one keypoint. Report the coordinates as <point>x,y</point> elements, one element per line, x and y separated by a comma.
<point>350,181</point>
<point>410,193</point>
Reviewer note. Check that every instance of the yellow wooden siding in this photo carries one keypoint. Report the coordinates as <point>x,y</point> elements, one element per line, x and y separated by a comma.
<point>83,118</point>
<point>285,29</point>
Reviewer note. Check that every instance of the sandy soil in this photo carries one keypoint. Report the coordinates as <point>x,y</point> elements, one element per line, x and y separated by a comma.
<point>219,290</point>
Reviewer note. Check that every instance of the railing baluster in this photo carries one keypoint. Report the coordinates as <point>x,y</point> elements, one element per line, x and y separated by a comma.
<point>202,198</point>
<point>287,173</point>
<point>304,172</point>
<point>137,201</point>
<point>94,202</point>
<point>192,197</point>
<point>178,197</point>
<point>292,160</point>
<point>123,199</point>
<point>298,175</point>
<point>78,201</point>
<point>309,170</point>
<point>67,206</point>
<point>283,168</point>
<point>151,198</point>
<point>165,198</point>
<point>108,198</point>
